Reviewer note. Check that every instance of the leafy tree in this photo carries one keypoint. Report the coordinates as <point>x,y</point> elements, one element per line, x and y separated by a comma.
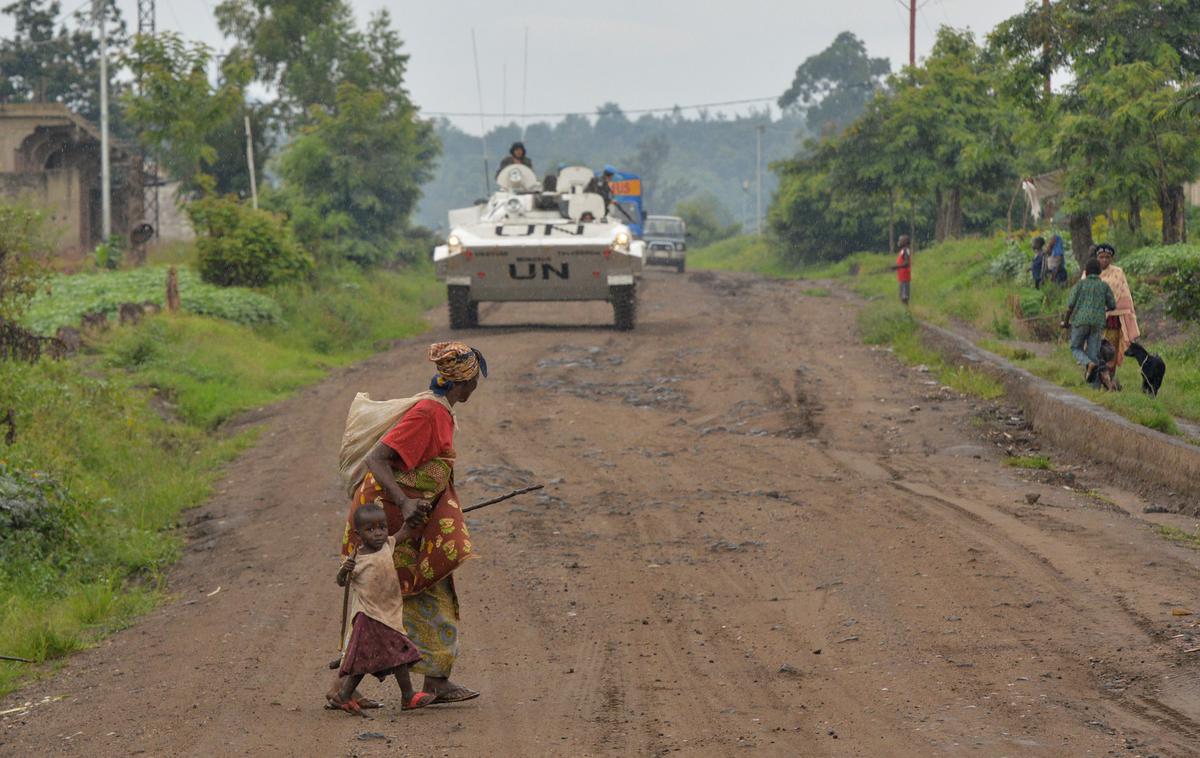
<point>230,173</point>
<point>1092,35</point>
<point>651,156</point>
<point>953,132</point>
<point>353,175</point>
<point>306,49</point>
<point>178,111</point>
<point>47,61</point>
<point>835,85</point>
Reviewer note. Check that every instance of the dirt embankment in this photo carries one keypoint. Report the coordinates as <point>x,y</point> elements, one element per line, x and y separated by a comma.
<point>758,534</point>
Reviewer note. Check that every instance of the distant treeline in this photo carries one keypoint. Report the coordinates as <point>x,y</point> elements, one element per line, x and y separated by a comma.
<point>678,158</point>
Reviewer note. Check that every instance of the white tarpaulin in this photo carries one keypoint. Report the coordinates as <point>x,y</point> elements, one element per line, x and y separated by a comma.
<point>1042,188</point>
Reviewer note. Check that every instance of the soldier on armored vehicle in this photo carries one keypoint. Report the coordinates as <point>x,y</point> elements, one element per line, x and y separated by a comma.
<point>539,241</point>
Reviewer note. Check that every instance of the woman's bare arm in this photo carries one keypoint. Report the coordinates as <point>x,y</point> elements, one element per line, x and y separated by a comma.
<point>381,462</point>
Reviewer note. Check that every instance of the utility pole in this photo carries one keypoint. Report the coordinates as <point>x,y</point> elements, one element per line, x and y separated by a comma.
<point>759,129</point>
<point>250,163</point>
<point>912,32</point>
<point>1046,45</point>
<point>105,169</point>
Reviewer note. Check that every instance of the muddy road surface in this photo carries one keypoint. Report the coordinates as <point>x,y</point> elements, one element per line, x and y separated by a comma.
<point>759,537</point>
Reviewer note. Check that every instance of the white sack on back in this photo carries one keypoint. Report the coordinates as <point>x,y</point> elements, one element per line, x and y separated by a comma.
<point>368,421</point>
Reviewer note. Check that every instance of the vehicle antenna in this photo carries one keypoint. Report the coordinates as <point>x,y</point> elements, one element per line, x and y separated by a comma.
<point>487,184</point>
<point>524,83</point>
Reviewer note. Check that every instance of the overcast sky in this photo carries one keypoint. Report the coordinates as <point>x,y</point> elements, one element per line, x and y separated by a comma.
<point>639,53</point>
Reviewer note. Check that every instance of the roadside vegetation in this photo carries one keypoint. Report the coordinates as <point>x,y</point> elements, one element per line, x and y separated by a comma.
<point>102,449</point>
<point>109,446</point>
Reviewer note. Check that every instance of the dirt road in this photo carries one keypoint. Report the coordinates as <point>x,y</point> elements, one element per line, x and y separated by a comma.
<point>760,537</point>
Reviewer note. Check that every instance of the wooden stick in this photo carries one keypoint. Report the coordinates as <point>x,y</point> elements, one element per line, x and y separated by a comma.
<point>346,603</point>
<point>15,658</point>
<point>502,498</point>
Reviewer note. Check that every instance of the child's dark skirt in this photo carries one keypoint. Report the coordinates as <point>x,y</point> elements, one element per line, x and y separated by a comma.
<point>376,648</point>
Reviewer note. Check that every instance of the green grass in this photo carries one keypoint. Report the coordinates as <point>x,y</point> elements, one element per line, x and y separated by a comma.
<point>889,323</point>
<point>816,292</point>
<point>743,253</point>
<point>1037,462</point>
<point>1180,536</point>
<point>130,429</point>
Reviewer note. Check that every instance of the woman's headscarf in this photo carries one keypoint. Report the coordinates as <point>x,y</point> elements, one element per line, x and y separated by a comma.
<point>456,362</point>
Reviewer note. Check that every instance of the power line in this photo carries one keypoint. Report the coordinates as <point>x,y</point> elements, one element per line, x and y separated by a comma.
<point>664,109</point>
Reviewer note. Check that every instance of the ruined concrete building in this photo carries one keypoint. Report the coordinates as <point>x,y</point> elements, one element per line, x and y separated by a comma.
<point>50,158</point>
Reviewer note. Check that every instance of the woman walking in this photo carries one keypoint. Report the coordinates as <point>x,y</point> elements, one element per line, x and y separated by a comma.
<point>410,473</point>
<point>1120,326</point>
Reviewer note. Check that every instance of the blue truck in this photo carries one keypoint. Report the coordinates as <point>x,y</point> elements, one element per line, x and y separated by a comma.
<point>627,194</point>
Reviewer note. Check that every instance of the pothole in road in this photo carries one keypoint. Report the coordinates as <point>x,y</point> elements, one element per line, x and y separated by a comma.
<point>575,356</point>
<point>659,392</point>
<point>721,285</point>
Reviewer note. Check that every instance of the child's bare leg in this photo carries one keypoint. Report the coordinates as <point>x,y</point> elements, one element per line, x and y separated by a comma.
<point>405,682</point>
<point>349,684</point>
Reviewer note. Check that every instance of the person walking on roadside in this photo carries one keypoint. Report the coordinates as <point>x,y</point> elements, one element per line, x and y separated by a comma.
<point>1090,299</point>
<point>410,473</point>
<point>1120,325</point>
<point>903,268</point>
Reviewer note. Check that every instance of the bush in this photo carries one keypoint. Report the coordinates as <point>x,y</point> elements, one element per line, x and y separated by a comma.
<point>1159,260</point>
<point>23,247</point>
<point>35,522</point>
<point>241,246</point>
<point>1183,291</point>
<point>1010,265</point>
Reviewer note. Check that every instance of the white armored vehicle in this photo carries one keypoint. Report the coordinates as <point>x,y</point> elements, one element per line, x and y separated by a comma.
<point>535,243</point>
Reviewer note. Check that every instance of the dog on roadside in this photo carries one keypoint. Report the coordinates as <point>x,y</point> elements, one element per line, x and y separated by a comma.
<point>1153,368</point>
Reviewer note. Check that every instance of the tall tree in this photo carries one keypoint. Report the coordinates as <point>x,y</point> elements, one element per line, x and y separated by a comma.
<point>954,132</point>
<point>651,156</point>
<point>306,49</point>
<point>354,174</point>
<point>48,61</point>
<point>178,111</point>
<point>834,86</point>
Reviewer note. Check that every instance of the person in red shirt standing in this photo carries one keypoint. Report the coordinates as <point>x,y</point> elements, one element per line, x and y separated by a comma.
<point>903,268</point>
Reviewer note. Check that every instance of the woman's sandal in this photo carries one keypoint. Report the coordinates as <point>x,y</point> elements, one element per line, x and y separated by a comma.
<point>419,700</point>
<point>457,695</point>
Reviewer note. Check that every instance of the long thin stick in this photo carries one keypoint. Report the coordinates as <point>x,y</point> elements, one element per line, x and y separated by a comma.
<point>346,604</point>
<point>15,658</point>
<point>502,498</point>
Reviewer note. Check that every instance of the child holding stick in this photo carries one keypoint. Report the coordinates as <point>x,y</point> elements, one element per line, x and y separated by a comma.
<point>377,643</point>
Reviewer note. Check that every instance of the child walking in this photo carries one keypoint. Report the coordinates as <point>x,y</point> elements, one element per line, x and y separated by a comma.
<point>1090,299</point>
<point>377,643</point>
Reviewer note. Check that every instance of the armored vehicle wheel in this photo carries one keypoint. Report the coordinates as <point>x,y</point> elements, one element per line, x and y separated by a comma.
<point>624,303</point>
<point>473,314</point>
<point>681,267</point>
<point>458,299</point>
